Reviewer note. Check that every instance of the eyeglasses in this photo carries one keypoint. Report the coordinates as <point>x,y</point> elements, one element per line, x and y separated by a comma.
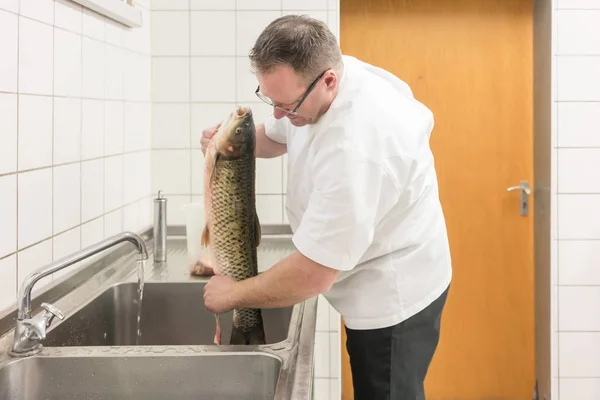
<point>295,110</point>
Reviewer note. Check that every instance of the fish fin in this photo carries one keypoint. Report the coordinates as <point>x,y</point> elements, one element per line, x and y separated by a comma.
<point>217,339</point>
<point>201,268</point>
<point>205,239</point>
<point>257,229</point>
<point>253,336</point>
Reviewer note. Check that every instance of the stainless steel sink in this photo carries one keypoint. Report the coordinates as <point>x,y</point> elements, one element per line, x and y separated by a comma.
<point>172,313</point>
<point>204,376</point>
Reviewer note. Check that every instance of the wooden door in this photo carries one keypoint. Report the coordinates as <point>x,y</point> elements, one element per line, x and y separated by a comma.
<point>470,62</point>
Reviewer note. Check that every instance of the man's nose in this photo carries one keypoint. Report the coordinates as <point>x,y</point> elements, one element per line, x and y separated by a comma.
<point>277,113</point>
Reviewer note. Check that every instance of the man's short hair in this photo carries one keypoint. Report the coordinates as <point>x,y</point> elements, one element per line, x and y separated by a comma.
<point>305,44</point>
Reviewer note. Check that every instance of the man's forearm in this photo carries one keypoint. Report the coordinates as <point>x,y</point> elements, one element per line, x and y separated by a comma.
<point>290,281</point>
<point>265,147</point>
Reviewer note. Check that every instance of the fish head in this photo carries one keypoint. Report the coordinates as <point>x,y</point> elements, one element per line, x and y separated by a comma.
<point>237,134</point>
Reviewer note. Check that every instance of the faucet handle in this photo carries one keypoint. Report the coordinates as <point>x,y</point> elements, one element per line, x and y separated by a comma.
<point>51,312</point>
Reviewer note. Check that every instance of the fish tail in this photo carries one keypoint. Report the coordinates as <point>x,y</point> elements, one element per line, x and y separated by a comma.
<point>252,336</point>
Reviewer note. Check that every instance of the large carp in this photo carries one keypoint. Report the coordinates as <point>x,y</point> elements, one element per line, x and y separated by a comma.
<point>232,229</point>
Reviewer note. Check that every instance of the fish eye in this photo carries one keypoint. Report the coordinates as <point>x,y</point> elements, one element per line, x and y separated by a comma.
<point>238,131</point>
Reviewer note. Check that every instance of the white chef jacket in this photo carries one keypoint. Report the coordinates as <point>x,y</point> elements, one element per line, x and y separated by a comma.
<point>362,198</point>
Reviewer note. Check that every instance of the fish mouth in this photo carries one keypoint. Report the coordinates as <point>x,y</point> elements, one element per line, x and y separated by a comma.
<point>242,112</point>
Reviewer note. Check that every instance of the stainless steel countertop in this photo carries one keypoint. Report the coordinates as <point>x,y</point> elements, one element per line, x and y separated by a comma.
<point>78,288</point>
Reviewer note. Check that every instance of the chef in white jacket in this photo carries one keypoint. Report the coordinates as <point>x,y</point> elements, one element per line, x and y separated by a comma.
<point>362,202</point>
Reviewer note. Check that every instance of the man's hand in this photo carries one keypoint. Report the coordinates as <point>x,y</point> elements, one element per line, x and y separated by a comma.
<point>219,294</point>
<point>207,134</point>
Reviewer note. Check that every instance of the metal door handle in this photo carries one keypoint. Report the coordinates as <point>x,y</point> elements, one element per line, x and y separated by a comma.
<point>525,192</point>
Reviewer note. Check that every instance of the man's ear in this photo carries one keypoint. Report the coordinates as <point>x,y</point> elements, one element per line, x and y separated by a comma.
<point>331,80</point>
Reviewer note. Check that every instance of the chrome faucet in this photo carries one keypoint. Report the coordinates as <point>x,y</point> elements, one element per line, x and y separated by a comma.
<point>29,332</point>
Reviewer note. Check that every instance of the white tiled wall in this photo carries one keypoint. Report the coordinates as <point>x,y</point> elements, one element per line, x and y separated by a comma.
<point>200,73</point>
<point>75,113</point>
<point>576,222</point>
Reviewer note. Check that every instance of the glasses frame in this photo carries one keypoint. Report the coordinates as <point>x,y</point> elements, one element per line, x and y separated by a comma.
<point>295,110</point>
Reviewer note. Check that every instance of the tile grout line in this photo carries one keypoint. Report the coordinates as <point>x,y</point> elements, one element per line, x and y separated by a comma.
<point>80,135</point>
<point>18,99</point>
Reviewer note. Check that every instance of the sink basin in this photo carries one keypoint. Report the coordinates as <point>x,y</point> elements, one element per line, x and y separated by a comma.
<point>172,313</point>
<point>211,376</point>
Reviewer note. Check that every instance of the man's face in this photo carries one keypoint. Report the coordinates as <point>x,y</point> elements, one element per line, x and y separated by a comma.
<point>285,88</point>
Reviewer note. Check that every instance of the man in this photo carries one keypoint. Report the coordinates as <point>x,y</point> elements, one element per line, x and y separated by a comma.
<point>362,202</point>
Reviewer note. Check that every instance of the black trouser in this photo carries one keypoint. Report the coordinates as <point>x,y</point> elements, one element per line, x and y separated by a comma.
<point>391,363</point>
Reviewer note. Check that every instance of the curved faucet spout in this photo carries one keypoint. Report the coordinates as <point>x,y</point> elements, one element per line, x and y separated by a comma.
<point>27,285</point>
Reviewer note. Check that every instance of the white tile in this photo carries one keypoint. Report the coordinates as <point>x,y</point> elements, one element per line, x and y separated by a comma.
<point>133,171</point>
<point>8,136</point>
<point>321,389</point>
<point>114,33</point>
<point>93,70</point>
<point>113,183</point>
<point>206,24</point>
<point>334,389</point>
<point>577,307</point>
<point>578,4</point>
<point>67,197</point>
<point>247,82</point>
<point>206,115</point>
<point>269,209</point>
<point>67,63</point>
<point>579,354</point>
<point>113,223</point>
<point>35,131</point>
<point>8,283</point>
<point>334,320</point>
<point>554,353</point>
<point>30,260</point>
<point>258,4</point>
<point>67,15</point>
<point>269,177</point>
<point>64,245</point>
<point>113,126</point>
<point>171,33</point>
<point>197,173</point>
<point>170,4</point>
<point>92,232</point>
<point>114,73</point>
<point>93,25</point>
<point>320,15</point>
<point>10,5</point>
<point>212,5</point>
<point>304,4</point>
<point>250,24</point>
<point>578,32</point>
<point>8,214</point>
<point>175,209</point>
<point>260,110</point>
<point>321,354</point>
<point>333,4</point>
<point>334,355</point>
<point>578,262</point>
<point>92,189</point>
<point>170,126</point>
<point>171,79</point>
<point>554,308</point>
<point>333,23</point>
<point>578,217</point>
<point>35,57</point>
<point>204,85</point>
<point>322,323</point>
<point>579,170</point>
<point>40,10</point>
<point>67,130</point>
<point>577,78</point>
<point>579,388</point>
<point>138,78</point>
<point>35,206</point>
<point>92,129</point>
<point>9,50</point>
<point>171,171</point>
<point>577,124</point>
<point>137,126</point>
<point>131,216</point>
<point>554,262</point>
